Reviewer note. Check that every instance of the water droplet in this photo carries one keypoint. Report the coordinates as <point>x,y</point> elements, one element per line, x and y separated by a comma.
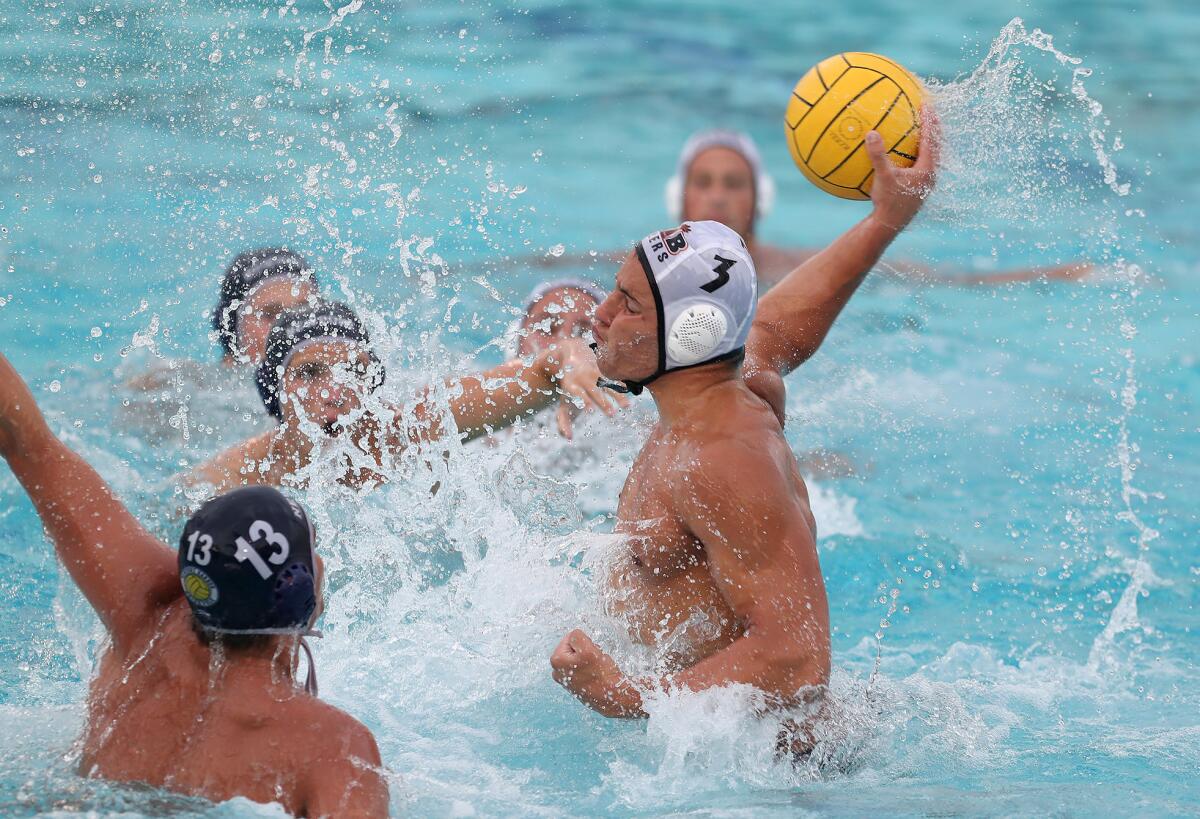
<point>215,57</point>
<point>55,385</point>
<point>557,250</point>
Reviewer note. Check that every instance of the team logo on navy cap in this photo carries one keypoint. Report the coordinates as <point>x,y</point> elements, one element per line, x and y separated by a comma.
<point>199,587</point>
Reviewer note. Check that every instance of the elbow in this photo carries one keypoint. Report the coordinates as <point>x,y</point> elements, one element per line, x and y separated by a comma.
<point>792,664</point>
<point>791,671</point>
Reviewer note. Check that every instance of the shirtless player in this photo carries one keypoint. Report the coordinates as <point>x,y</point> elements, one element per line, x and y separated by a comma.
<point>195,691</point>
<point>716,513</point>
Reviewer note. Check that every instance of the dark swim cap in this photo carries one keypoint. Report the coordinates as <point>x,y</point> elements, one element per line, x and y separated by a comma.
<point>244,273</point>
<point>246,563</point>
<point>327,320</point>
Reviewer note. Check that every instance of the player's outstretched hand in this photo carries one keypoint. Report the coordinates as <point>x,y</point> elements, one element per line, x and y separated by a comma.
<point>576,374</point>
<point>898,193</point>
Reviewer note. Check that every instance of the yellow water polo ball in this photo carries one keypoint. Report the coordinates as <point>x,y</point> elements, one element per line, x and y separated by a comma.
<point>833,107</point>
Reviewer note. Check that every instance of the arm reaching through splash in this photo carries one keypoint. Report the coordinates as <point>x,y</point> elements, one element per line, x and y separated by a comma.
<point>123,571</point>
<point>494,399</point>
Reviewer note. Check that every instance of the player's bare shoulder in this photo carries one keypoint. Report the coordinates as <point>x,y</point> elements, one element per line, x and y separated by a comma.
<point>344,772</point>
<point>237,466</point>
<point>766,383</point>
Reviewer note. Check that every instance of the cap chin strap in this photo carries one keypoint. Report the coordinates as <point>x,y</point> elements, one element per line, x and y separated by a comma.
<point>623,387</point>
<point>310,680</point>
<point>636,387</point>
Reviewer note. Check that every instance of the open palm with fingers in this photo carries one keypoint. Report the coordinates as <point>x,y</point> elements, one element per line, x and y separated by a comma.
<point>576,377</point>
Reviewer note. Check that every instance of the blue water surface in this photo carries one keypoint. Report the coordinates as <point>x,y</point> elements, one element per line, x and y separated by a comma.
<point>1012,567</point>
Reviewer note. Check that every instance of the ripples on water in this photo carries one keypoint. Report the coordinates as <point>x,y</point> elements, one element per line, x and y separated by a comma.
<point>1011,597</point>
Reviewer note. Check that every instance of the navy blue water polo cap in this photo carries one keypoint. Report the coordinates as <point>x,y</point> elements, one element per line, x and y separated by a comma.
<point>324,322</point>
<point>245,273</point>
<point>246,563</point>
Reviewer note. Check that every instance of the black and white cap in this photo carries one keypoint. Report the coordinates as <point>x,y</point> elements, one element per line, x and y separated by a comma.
<point>705,290</point>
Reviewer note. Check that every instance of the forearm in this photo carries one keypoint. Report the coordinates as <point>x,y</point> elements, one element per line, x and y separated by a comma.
<point>758,661</point>
<point>796,315</point>
<point>494,399</point>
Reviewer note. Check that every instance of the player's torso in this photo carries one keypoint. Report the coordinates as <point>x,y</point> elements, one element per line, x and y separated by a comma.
<point>165,720</point>
<point>660,582</point>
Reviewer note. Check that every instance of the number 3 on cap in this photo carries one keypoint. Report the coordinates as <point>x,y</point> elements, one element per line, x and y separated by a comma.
<point>261,530</point>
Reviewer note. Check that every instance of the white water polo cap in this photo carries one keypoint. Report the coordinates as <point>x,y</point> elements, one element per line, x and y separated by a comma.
<point>705,289</point>
<point>701,141</point>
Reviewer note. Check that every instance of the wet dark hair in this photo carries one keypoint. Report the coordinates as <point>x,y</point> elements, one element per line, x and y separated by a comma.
<point>327,319</point>
<point>233,643</point>
<point>248,269</point>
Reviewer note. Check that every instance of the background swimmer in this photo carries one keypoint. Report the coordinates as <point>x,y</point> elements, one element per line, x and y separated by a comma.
<point>319,366</point>
<point>196,692</point>
<point>554,311</point>
<point>257,286</point>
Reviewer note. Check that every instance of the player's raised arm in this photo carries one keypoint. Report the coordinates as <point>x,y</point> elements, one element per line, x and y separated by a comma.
<point>796,315</point>
<point>123,570</point>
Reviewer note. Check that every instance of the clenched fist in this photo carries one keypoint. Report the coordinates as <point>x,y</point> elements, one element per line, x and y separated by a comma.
<point>581,667</point>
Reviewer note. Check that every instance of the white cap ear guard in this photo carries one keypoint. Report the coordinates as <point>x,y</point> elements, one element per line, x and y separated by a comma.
<point>764,185</point>
<point>705,289</point>
<point>695,334</point>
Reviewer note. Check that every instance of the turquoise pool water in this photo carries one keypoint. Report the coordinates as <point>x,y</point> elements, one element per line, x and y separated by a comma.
<point>1011,574</point>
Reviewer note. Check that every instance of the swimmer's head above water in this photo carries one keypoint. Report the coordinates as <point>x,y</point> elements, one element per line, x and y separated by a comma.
<point>317,366</point>
<point>684,298</point>
<point>248,568</point>
<point>720,177</point>
<point>554,310</point>
<point>259,285</point>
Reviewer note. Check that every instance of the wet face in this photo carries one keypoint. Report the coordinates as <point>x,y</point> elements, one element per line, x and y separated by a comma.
<point>626,327</point>
<point>257,314</point>
<point>720,187</point>
<point>323,383</point>
<point>561,313</point>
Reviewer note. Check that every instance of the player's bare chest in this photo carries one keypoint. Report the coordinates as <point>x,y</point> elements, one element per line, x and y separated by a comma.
<point>660,540</point>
